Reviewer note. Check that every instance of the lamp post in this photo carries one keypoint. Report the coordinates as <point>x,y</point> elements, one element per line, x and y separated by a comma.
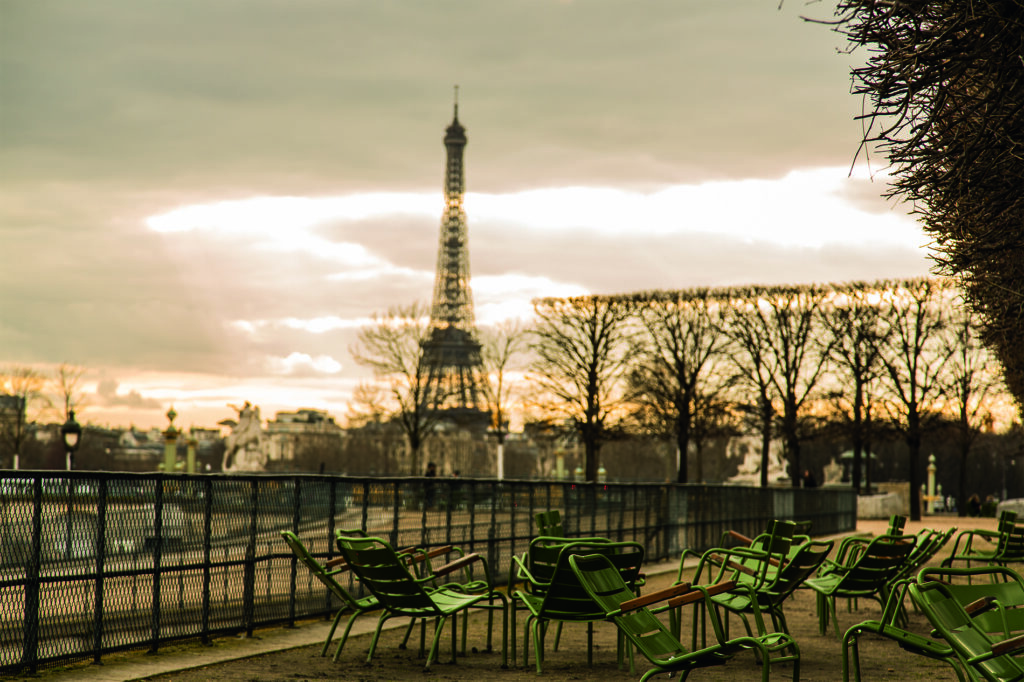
<point>71,431</point>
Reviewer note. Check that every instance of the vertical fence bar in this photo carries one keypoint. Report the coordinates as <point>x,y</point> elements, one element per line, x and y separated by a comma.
<point>207,549</point>
<point>396,512</point>
<point>249,579</point>
<point>101,557</point>
<point>158,550</point>
<point>30,648</point>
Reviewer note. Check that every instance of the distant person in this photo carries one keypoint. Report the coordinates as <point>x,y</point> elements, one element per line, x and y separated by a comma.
<point>974,505</point>
<point>428,487</point>
<point>809,480</point>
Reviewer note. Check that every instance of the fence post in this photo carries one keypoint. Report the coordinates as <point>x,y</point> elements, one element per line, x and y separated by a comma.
<point>30,649</point>
<point>207,549</point>
<point>101,558</point>
<point>249,581</point>
<point>158,549</point>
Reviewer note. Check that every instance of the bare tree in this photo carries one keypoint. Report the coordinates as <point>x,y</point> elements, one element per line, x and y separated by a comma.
<point>583,351</point>
<point>857,332</point>
<point>752,362</point>
<point>914,358</point>
<point>25,389</point>
<point>971,381</point>
<point>501,346</point>
<point>68,386</point>
<point>945,84</point>
<point>367,406</point>
<point>393,348</point>
<point>778,330</point>
<point>684,339</point>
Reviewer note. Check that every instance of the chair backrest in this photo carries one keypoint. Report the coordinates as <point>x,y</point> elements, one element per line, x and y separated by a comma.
<point>800,566</point>
<point>897,522</point>
<point>386,576</point>
<point>929,542</point>
<point>1010,546</point>
<point>567,599</point>
<point>1002,587</point>
<point>877,564</point>
<point>319,571</point>
<point>549,523</point>
<point>604,584</point>
<point>777,538</point>
<point>948,616</point>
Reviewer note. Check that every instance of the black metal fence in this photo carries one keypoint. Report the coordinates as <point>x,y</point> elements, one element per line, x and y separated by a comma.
<point>93,563</point>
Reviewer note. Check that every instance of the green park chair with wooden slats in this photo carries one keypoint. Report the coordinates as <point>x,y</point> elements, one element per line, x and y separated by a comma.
<point>643,630</point>
<point>552,593</point>
<point>1000,547</point>
<point>982,655</point>
<point>401,594</point>
<point>871,568</point>
<point>327,574</point>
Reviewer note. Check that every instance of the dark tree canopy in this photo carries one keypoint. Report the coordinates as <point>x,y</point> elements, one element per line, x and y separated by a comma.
<point>945,81</point>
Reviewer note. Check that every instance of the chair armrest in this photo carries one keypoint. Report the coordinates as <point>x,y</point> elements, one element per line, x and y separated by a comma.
<point>739,537</point>
<point>455,565</point>
<point>980,606</point>
<point>1008,646</point>
<point>653,597</point>
<point>700,592</point>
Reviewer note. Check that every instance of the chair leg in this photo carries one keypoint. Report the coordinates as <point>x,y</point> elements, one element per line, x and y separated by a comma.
<point>433,645</point>
<point>348,628</point>
<point>835,618</point>
<point>851,655</point>
<point>330,634</point>
<point>455,635</point>
<point>376,636</point>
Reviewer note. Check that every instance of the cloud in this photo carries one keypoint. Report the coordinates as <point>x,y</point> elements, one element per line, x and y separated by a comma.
<point>106,392</point>
<point>302,364</point>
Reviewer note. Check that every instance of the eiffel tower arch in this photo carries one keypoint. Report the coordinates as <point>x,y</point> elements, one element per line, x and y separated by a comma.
<point>451,353</point>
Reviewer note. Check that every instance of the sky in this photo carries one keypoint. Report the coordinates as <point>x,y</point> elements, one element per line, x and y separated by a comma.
<point>203,200</point>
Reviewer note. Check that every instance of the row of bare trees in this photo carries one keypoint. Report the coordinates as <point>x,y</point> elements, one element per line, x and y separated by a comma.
<point>691,365</point>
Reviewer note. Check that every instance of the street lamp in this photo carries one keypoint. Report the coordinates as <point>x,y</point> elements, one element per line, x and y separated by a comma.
<point>72,433</point>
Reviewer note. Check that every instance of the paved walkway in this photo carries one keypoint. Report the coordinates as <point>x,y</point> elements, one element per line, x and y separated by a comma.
<point>134,666</point>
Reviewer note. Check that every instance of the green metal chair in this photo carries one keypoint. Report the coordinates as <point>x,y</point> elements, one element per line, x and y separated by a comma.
<point>326,573</point>
<point>870,570</point>
<point>889,626</point>
<point>998,600</point>
<point>1003,546</point>
<point>771,594</point>
<point>981,655</point>
<point>552,593</point>
<point>643,630</point>
<point>752,563</point>
<point>549,523</point>
<point>387,576</point>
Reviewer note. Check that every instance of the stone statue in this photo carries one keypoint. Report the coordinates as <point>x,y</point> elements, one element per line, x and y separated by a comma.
<point>243,448</point>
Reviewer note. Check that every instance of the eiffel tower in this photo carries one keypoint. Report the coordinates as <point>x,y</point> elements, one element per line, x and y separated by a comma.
<point>452,352</point>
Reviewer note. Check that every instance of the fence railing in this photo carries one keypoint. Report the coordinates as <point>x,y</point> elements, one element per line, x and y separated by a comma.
<point>92,563</point>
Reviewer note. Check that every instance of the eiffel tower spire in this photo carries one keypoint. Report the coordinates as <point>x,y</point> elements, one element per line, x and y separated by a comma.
<point>452,352</point>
